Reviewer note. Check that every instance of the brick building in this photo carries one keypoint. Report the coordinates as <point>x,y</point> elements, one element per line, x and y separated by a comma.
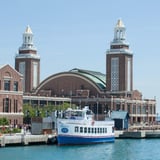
<point>104,93</point>
<point>86,87</point>
<point>11,95</point>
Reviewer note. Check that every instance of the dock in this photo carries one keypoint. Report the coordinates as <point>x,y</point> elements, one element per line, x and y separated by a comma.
<point>29,139</point>
<point>21,139</point>
<point>138,134</point>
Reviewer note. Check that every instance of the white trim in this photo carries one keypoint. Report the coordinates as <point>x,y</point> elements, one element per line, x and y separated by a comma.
<point>119,51</point>
<point>11,92</point>
<point>11,114</point>
<point>28,55</point>
<point>46,98</point>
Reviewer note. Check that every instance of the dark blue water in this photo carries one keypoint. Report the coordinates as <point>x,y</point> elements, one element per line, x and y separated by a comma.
<point>122,149</point>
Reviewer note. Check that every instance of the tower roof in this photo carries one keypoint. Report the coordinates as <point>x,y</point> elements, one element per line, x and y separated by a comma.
<point>119,44</point>
<point>28,41</point>
<point>28,30</point>
<point>120,23</point>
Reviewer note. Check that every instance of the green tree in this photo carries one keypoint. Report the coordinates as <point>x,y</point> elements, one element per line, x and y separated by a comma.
<point>4,121</point>
<point>43,111</point>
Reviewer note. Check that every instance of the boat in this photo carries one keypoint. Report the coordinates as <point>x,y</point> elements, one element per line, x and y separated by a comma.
<point>77,126</point>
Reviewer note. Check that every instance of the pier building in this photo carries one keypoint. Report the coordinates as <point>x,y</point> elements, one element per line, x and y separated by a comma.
<point>104,93</point>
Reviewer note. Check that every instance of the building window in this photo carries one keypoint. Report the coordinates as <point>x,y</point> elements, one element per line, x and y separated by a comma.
<point>7,85</point>
<point>129,75</point>
<point>139,109</point>
<point>117,107</point>
<point>22,70</point>
<point>35,74</point>
<point>115,74</point>
<point>6,105</point>
<point>134,109</point>
<point>129,108</point>
<point>15,87</point>
<point>15,106</point>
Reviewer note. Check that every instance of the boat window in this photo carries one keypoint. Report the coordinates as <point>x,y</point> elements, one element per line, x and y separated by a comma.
<point>81,129</point>
<point>95,130</point>
<point>79,113</point>
<point>89,130</point>
<point>100,130</point>
<point>76,129</point>
<point>92,130</point>
<point>89,112</point>
<point>105,130</point>
<point>85,129</point>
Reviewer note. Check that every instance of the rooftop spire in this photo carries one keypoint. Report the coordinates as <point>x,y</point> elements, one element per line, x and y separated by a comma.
<point>28,30</point>
<point>28,40</point>
<point>119,23</point>
<point>119,31</point>
<point>119,44</point>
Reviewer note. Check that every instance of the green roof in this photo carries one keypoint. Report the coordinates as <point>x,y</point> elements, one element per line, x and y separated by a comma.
<point>97,77</point>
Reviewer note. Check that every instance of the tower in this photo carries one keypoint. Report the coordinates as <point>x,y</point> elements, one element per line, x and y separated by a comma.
<point>27,62</point>
<point>119,63</point>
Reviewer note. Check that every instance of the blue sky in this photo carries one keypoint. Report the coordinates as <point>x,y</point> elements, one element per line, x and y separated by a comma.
<point>77,33</point>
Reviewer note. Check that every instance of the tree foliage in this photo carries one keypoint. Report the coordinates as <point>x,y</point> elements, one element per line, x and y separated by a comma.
<point>4,121</point>
<point>43,111</point>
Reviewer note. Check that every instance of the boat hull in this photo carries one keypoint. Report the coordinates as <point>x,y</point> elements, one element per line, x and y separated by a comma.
<point>74,140</point>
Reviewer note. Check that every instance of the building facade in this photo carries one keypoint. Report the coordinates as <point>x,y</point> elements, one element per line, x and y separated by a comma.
<point>27,62</point>
<point>104,93</point>
<point>86,87</point>
<point>11,95</point>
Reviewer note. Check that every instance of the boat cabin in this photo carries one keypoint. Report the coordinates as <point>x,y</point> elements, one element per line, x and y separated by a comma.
<point>78,114</point>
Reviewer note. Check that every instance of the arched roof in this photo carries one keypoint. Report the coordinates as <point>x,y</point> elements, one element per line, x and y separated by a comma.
<point>95,79</point>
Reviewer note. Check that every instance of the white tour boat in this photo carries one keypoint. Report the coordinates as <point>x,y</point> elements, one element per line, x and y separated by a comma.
<point>79,127</point>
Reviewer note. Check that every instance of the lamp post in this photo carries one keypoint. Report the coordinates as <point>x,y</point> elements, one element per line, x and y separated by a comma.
<point>147,115</point>
<point>27,114</point>
<point>105,114</point>
<point>97,110</point>
<point>80,103</point>
<point>157,119</point>
<point>112,103</point>
<point>97,106</point>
